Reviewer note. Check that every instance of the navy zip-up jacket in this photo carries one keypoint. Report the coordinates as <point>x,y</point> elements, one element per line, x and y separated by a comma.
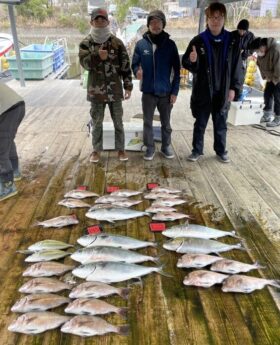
<point>161,68</point>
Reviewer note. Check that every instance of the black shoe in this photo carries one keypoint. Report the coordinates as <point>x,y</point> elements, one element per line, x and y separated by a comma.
<point>167,152</point>
<point>149,154</point>
<point>274,123</point>
<point>194,157</point>
<point>223,158</point>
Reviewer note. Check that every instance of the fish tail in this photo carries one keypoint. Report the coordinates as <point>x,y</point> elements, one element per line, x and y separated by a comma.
<point>233,234</point>
<point>37,223</point>
<point>122,312</point>
<point>241,246</point>
<point>259,265</point>
<point>153,244</point>
<point>155,259</point>
<point>124,293</point>
<point>275,282</point>
<point>123,330</point>
<point>160,271</point>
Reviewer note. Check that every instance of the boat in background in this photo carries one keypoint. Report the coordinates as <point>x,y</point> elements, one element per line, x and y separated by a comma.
<point>6,43</point>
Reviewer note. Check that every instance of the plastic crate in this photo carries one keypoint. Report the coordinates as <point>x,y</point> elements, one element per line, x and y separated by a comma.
<point>57,50</point>
<point>33,74</point>
<point>31,61</point>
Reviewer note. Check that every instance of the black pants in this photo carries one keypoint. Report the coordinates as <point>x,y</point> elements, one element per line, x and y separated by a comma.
<point>219,119</point>
<point>9,122</point>
<point>272,93</point>
<point>149,103</point>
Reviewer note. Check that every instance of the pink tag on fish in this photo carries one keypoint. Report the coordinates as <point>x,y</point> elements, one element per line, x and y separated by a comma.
<point>111,189</point>
<point>152,185</point>
<point>157,226</point>
<point>82,188</point>
<point>94,229</point>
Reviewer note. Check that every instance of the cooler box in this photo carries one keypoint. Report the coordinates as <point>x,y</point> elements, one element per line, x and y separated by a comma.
<point>248,112</point>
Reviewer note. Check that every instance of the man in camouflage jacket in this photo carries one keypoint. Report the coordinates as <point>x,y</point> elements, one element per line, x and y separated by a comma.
<point>105,57</point>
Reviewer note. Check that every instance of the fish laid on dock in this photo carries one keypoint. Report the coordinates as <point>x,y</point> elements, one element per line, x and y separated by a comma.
<point>48,244</point>
<point>204,278</point>
<point>197,260</point>
<point>106,253</point>
<point>97,290</point>
<point>38,302</point>
<point>35,323</point>
<point>47,269</point>
<point>113,214</point>
<point>168,202</point>
<point>246,284</point>
<point>80,194</point>
<point>113,272</point>
<point>125,193</point>
<point>59,222</point>
<point>87,326</point>
<point>111,240</point>
<point>169,216</point>
<point>47,255</point>
<point>73,203</point>
<point>199,245</point>
<point>109,199</point>
<point>156,196</point>
<point>233,267</point>
<point>169,190</point>
<point>93,306</point>
<point>44,285</point>
<point>126,203</point>
<point>157,209</point>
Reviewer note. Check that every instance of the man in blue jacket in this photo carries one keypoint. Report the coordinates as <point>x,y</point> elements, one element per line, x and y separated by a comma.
<point>156,64</point>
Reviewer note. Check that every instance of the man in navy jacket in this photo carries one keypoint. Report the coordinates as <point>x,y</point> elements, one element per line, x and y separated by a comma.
<point>156,64</point>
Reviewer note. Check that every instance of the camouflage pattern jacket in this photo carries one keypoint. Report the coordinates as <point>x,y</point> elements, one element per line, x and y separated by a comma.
<point>106,79</point>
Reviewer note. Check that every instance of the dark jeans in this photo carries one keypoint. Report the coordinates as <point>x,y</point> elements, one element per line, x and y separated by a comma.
<point>9,122</point>
<point>272,93</point>
<point>149,103</point>
<point>219,119</point>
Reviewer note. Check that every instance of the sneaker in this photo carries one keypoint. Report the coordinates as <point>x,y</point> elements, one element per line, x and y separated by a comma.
<point>194,157</point>
<point>17,175</point>
<point>149,154</point>
<point>7,190</point>
<point>122,156</point>
<point>94,157</point>
<point>267,117</point>
<point>223,158</point>
<point>167,153</point>
<point>274,123</point>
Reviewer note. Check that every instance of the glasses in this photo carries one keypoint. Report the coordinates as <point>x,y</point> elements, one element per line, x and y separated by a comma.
<point>217,18</point>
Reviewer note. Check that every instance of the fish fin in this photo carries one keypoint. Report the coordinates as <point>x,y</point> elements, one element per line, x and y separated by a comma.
<point>259,265</point>
<point>27,252</point>
<point>37,223</point>
<point>124,293</point>
<point>123,312</point>
<point>123,330</point>
<point>155,259</point>
<point>275,282</point>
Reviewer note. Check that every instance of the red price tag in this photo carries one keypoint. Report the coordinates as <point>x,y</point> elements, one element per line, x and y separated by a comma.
<point>152,185</point>
<point>94,229</point>
<point>111,189</point>
<point>157,226</point>
<point>82,188</point>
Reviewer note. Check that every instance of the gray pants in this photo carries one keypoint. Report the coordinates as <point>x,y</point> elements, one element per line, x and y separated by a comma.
<point>97,114</point>
<point>149,103</point>
<point>9,123</point>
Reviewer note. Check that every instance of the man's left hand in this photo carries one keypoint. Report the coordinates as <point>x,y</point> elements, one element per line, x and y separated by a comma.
<point>173,99</point>
<point>127,94</point>
<point>231,95</point>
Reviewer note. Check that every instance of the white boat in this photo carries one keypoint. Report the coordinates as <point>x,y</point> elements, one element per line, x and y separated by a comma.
<point>6,43</point>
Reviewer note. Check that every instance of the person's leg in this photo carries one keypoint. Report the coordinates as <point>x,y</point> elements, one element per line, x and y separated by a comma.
<point>201,120</point>
<point>97,115</point>
<point>268,102</point>
<point>220,133</point>
<point>276,94</point>
<point>164,107</point>
<point>149,103</point>
<point>116,111</point>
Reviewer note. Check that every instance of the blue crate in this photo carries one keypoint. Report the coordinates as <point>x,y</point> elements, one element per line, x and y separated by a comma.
<point>32,60</point>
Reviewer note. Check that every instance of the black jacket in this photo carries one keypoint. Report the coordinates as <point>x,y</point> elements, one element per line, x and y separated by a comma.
<point>202,88</point>
<point>244,42</point>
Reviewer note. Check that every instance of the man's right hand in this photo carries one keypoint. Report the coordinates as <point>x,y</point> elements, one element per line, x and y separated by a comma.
<point>103,53</point>
<point>193,55</point>
<point>139,73</point>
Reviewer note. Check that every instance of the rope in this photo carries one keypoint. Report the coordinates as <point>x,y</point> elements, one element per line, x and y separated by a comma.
<point>270,131</point>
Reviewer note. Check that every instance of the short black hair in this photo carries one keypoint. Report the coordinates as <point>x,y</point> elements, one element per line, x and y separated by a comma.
<point>258,42</point>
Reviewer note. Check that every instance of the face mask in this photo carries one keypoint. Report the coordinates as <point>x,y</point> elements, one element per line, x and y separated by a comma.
<point>260,54</point>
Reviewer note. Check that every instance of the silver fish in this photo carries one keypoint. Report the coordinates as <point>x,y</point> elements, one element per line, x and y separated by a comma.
<point>46,255</point>
<point>92,306</point>
<point>246,284</point>
<point>44,285</point>
<point>204,278</point>
<point>98,206</point>
<point>113,214</point>
<point>59,222</point>
<point>73,203</point>
<point>111,240</point>
<point>169,216</point>
<point>156,196</point>
<point>197,260</point>
<point>87,326</point>
<point>97,290</point>
<point>34,323</point>
<point>113,272</point>
<point>109,199</point>
<point>38,302</point>
<point>199,245</point>
<point>157,209</point>
<point>80,194</point>
<point>126,203</point>
<point>196,231</point>
<point>168,202</point>
<point>169,190</point>
<point>125,193</point>
<point>106,253</point>
<point>233,267</point>
<point>47,269</point>
<point>48,244</point>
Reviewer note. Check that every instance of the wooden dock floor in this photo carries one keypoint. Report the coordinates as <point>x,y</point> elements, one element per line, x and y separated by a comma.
<point>244,195</point>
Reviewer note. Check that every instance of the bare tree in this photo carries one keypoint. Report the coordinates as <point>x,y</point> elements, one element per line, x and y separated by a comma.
<point>239,10</point>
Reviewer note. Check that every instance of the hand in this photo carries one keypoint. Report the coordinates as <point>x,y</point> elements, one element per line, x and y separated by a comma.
<point>127,94</point>
<point>193,55</point>
<point>139,73</point>
<point>173,99</point>
<point>103,53</point>
<point>231,95</point>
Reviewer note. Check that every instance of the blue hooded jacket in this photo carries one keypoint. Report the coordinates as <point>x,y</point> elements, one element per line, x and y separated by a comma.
<point>161,68</point>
